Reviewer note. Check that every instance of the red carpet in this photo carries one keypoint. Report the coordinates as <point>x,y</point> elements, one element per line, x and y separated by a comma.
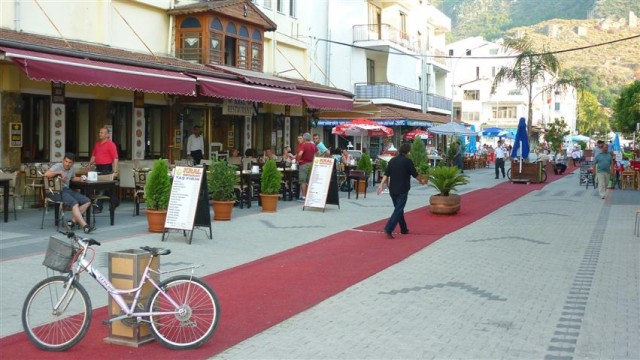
<point>260,294</point>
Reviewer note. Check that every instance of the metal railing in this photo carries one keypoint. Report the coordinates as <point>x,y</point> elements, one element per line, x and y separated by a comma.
<point>388,91</point>
<point>439,102</point>
<point>386,32</point>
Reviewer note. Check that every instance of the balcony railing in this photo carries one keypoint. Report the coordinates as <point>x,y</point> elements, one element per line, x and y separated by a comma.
<point>385,32</point>
<point>438,102</point>
<point>388,91</point>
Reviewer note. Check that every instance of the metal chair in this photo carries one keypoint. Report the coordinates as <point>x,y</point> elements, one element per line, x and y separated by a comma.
<point>95,197</point>
<point>12,189</point>
<point>53,198</point>
<point>33,183</point>
<point>139,180</point>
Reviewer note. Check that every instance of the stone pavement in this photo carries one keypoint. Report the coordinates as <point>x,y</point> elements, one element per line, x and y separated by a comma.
<point>553,275</point>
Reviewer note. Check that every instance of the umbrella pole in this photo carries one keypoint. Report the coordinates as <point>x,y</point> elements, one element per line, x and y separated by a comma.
<point>521,157</point>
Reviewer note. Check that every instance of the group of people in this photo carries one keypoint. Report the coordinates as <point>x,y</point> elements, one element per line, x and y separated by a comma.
<point>105,159</point>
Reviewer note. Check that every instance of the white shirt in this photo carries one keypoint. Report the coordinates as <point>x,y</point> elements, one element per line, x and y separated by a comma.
<point>500,152</point>
<point>195,143</point>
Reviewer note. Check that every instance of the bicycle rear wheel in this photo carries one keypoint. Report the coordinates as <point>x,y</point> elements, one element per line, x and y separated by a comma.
<point>56,330</point>
<point>193,321</point>
<point>509,173</point>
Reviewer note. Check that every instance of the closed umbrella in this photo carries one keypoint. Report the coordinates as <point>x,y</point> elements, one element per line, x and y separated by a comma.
<point>615,146</point>
<point>471,146</point>
<point>521,142</point>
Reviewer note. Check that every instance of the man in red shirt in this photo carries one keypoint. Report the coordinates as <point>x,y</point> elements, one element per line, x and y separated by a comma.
<point>105,157</point>
<point>304,156</point>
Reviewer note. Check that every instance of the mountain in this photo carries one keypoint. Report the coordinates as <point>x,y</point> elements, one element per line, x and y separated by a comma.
<point>561,25</point>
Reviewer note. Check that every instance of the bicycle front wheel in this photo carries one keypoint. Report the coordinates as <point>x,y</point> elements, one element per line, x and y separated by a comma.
<point>192,322</point>
<point>51,328</point>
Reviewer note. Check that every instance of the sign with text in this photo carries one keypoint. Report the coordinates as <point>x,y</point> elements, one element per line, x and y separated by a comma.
<point>184,197</point>
<point>319,182</point>
<point>237,107</point>
<point>15,134</point>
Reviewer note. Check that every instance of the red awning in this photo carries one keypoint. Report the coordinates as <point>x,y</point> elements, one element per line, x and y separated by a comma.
<point>57,68</point>
<point>321,100</point>
<point>231,89</point>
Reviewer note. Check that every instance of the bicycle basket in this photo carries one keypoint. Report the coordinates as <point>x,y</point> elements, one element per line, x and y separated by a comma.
<point>59,254</point>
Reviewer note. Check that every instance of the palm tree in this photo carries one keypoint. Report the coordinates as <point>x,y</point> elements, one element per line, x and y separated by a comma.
<point>528,68</point>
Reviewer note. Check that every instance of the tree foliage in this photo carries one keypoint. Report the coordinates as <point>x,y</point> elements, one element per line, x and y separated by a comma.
<point>591,116</point>
<point>555,133</point>
<point>627,109</point>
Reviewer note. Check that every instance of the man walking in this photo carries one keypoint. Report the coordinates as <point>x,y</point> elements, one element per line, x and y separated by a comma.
<point>304,156</point>
<point>105,157</point>
<point>500,153</point>
<point>195,145</point>
<point>400,169</point>
<point>603,168</point>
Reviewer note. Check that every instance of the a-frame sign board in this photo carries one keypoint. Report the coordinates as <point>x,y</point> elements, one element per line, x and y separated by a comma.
<point>323,184</point>
<point>189,202</point>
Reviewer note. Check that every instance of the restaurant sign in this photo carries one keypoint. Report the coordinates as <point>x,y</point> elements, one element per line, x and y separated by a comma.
<point>237,107</point>
<point>15,134</point>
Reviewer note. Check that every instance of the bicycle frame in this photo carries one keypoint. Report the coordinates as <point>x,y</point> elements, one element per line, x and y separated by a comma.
<point>116,294</point>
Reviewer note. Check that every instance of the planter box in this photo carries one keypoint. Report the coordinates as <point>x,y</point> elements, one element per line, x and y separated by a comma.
<point>531,172</point>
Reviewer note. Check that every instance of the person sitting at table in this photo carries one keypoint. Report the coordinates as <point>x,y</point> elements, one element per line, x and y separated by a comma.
<point>287,156</point>
<point>72,199</point>
<point>235,158</point>
<point>347,158</point>
<point>267,155</point>
<point>560,164</point>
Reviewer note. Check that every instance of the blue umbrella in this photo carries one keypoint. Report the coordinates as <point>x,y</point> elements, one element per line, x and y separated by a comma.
<point>616,143</point>
<point>521,142</point>
<point>492,131</point>
<point>471,146</point>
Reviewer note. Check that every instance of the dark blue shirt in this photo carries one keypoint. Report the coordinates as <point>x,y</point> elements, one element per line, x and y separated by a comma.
<point>400,170</point>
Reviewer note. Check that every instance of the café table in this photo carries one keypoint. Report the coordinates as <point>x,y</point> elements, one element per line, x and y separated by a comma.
<point>249,180</point>
<point>5,198</point>
<point>89,187</point>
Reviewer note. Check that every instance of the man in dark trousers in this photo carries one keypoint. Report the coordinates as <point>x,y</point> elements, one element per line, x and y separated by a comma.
<point>399,170</point>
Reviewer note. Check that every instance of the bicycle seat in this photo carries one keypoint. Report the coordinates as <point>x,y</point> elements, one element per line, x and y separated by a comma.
<point>156,251</point>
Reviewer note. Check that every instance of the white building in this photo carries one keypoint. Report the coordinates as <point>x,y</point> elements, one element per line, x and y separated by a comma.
<point>475,62</point>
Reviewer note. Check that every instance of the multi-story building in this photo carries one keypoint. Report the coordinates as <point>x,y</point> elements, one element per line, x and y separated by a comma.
<point>388,53</point>
<point>150,70</point>
<point>475,63</point>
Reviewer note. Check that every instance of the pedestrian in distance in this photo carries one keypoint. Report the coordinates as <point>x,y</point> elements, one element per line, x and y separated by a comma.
<point>195,145</point>
<point>603,168</point>
<point>500,154</point>
<point>397,177</point>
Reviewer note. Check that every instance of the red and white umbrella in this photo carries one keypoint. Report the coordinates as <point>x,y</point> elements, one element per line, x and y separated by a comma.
<point>362,127</point>
<point>417,133</point>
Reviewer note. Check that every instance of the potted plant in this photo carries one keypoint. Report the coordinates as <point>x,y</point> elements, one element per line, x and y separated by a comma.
<point>445,179</point>
<point>157,191</point>
<point>270,185</point>
<point>221,183</point>
<point>364,164</point>
<point>418,156</point>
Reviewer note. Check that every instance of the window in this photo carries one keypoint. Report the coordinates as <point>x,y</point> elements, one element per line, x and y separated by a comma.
<point>493,51</point>
<point>267,4</point>
<point>504,112</point>
<point>471,95</point>
<point>403,26</point>
<point>371,72</point>
<point>256,58</point>
<point>292,8</point>
<point>215,42</point>
<point>470,116</point>
<point>493,71</point>
<point>557,106</point>
<point>243,48</point>
<point>280,6</point>
<point>190,40</point>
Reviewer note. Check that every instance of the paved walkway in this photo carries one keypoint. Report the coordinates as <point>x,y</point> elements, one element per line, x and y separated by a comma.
<point>552,275</point>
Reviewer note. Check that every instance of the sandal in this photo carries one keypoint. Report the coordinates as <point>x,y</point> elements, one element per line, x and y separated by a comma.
<point>87,229</point>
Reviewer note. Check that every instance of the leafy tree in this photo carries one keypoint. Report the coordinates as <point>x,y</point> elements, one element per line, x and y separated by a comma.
<point>591,116</point>
<point>555,133</point>
<point>528,68</point>
<point>627,108</point>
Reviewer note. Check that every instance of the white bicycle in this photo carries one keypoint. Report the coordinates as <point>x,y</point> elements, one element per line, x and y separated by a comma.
<point>182,311</point>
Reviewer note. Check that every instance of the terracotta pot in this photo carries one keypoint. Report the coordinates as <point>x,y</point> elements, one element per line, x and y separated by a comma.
<point>444,205</point>
<point>156,219</point>
<point>222,210</point>
<point>269,202</point>
<point>362,186</point>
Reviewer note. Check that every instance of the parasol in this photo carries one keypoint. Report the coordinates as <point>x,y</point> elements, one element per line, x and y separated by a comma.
<point>417,133</point>
<point>521,143</point>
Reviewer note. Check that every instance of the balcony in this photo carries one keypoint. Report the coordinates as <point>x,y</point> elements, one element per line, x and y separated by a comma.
<point>438,103</point>
<point>385,33</point>
<point>388,91</point>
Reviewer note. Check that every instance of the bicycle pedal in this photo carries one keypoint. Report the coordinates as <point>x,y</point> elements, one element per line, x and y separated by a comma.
<point>106,322</point>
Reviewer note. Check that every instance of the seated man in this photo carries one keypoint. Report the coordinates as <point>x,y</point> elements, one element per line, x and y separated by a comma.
<point>560,164</point>
<point>77,202</point>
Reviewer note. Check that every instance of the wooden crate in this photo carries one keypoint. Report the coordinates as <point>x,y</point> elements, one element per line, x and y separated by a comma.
<point>126,268</point>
